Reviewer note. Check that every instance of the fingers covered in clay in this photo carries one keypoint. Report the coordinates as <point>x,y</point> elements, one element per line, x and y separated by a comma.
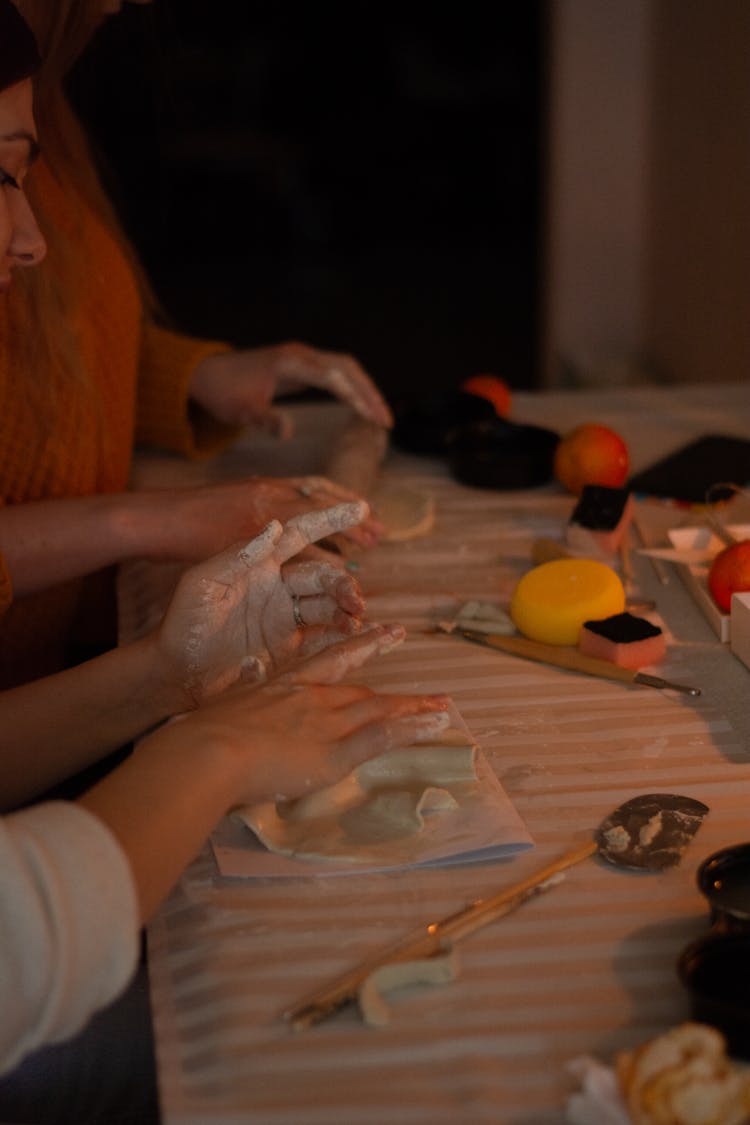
<point>337,660</point>
<point>391,733</point>
<point>310,527</point>
<point>308,578</point>
<point>323,732</point>
<point>237,616</point>
<point>323,486</point>
<point>323,610</point>
<point>258,548</point>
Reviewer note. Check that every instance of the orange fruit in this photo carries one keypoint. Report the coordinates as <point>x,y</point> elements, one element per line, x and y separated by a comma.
<point>591,454</point>
<point>730,574</point>
<point>491,387</point>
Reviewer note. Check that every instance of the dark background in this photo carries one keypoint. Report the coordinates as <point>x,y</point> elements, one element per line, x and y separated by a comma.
<point>355,176</point>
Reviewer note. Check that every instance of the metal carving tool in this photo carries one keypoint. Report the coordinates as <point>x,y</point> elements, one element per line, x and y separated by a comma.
<point>564,656</point>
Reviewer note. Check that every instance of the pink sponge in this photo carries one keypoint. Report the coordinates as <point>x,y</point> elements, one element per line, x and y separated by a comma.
<point>623,639</point>
<point>600,519</point>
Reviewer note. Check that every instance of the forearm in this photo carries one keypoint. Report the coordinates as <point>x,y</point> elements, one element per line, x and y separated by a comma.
<point>52,728</point>
<point>247,745</point>
<point>161,804</point>
<point>46,542</point>
<point>68,916</point>
<point>163,421</point>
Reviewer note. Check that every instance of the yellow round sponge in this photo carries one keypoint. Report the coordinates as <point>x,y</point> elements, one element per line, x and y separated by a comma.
<point>552,601</point>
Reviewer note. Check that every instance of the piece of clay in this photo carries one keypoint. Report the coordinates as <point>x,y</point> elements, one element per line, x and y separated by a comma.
<point>385,800</point>
<point>404,512</point>
<point>439,969</point>
<point>482,617</point>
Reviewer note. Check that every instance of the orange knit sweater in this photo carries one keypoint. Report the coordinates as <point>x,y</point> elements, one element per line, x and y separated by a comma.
<point>138,394</point>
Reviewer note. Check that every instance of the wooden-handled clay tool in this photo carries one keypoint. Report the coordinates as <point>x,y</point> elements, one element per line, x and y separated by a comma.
<point>564,656</point>
<point>649,832</point>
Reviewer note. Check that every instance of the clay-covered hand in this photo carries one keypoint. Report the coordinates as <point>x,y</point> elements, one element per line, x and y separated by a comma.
<point>191,524</point>
<point>238,387</point>
<point>337,659</point>
<point>280,741</point>
<point>246,614</point>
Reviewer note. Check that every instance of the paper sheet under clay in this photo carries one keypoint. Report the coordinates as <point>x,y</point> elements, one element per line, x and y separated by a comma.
<point>440,804</point>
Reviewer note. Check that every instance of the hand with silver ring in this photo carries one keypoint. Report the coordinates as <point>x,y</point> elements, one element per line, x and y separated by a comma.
<point>211,517</point>
<point>321,492</point>
<point>239,615</point>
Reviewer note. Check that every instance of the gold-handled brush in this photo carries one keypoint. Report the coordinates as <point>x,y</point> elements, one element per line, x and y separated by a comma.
<point>429,940</point>
<point>621,839</point>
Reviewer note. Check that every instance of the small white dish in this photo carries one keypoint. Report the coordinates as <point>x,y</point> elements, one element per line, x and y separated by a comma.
<point>695,575</point>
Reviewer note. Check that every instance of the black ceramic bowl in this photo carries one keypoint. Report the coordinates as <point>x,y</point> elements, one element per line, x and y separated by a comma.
<point>502,454</point>
<point>714,970</point>
<point>724,879</point>
<point>424,425</point>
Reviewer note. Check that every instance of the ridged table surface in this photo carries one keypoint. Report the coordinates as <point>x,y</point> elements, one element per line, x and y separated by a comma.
<point>588,967</point>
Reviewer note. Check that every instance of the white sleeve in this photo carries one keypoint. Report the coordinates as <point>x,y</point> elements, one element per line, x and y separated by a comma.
<point>69,930</point>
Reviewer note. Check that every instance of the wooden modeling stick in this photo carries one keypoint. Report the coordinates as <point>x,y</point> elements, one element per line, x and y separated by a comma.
<point>355,462</point>
<point>357,455</point>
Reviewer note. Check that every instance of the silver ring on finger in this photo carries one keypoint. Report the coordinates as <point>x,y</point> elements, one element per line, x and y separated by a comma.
<point>299,620</point>
<point>305,489</point>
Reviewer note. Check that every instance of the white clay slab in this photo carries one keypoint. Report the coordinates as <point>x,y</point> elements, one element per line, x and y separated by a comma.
<point>444,808</point>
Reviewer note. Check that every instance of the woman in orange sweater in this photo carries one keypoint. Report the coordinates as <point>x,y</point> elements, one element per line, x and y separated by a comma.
<point>98,375</point>
<point>80,878</point>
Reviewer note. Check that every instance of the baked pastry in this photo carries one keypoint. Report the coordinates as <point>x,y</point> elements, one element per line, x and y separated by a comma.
<point>684,1077</point>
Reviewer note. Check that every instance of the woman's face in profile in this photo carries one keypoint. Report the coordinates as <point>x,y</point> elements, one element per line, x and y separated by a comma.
<point>21,242</point>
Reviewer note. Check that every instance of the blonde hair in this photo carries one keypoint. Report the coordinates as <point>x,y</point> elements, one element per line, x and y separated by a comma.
<point>50,292</point>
